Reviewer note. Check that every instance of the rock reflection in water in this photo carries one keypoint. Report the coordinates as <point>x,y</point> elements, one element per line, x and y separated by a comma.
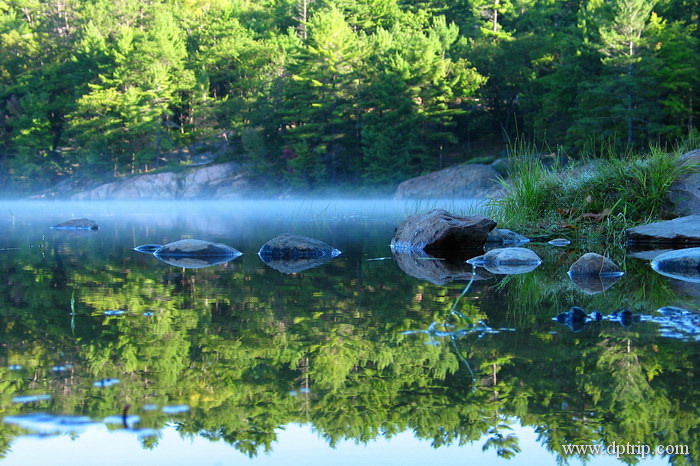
<point>437,271</point>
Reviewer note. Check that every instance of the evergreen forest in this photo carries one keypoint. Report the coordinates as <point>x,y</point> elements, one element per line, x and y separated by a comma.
<point>314,93</point>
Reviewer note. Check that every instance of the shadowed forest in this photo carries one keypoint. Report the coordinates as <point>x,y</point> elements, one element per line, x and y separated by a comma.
<point>335,92</point>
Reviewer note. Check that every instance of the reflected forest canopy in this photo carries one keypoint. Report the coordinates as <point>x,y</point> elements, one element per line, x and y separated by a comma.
<point>353,346</point>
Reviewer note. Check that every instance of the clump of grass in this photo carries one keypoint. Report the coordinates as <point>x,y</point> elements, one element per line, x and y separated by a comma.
<point>600,196</point>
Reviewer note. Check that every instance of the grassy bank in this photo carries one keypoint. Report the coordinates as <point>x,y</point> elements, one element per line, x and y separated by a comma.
<point>596,197</point>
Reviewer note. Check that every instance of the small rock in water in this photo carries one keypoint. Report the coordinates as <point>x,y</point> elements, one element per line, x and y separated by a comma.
<point>104,383</point>
<point>14,367</point>
<point>559,242</point>
<point>595,264</point>
<point>508,261</point>
<point>114,312</point>
<point>293,253</point>
<point>681,264</point>
<point>148,313</point>
<point>575,318</point>
<point>148,248</point>
<point>77,224</point>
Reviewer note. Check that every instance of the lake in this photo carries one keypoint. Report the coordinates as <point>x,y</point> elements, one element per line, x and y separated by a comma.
<point>110,356</point>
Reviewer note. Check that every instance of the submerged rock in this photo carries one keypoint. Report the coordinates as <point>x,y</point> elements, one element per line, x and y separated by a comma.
<point>576,318</point>
<point>682,230</point>
<point>77,224</point>
<point>435,270</point>
<point>440,233</point>
<point>504,236</point>
<point>508,261</point>
<point>148,248</point>
<point>293,247</point>
<point>681,264</point>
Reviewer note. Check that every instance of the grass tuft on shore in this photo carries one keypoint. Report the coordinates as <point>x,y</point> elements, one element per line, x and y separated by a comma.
<point>598,196</point>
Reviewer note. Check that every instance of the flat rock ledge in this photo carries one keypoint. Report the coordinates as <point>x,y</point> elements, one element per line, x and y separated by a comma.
<point>439,233</point>
<point>682,230</point>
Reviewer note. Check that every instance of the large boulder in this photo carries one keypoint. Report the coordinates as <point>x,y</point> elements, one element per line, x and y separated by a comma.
<point>682,230</point>
<point>508,261</point>
<point>685,192</point>
<point>77,224</point>
<point>465,181</point>
<point>681,264</point>
<point>440,233</point>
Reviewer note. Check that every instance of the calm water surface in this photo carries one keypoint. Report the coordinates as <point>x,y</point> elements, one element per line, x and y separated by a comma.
<point>109,356</point>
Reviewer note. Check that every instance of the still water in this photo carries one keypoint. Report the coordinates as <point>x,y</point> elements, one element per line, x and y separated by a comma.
<point>109,355</point>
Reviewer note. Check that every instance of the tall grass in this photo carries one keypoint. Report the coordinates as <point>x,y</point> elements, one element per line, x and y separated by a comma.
<point>602,194</point>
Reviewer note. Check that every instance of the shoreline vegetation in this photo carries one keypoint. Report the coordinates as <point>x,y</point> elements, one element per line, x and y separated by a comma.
<point>331,93</point>
<point>595,198</point>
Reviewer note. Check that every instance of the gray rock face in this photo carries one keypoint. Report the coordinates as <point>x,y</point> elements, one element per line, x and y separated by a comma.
<point>438,233</point>
<point>681,264</point>
<point>291,247</point>
<point>508,261</point>
<point>196,248</point>
<point>77,224</point>
<point>437,271</point>
<point>594,273</point>
<point>466,181</point>
<point>225,180</point>
<point>503,236</point>
<point>685,192</point>
<point>680,230</point>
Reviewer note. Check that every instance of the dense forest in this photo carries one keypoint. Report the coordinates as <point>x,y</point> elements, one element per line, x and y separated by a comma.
<point>335,92</point>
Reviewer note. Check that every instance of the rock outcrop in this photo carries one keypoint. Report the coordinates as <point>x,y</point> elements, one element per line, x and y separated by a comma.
<point>440,233</point>
<point>224,180</point>
<point>682,230</point>
<point>461,181</point>
<point>685,192</point>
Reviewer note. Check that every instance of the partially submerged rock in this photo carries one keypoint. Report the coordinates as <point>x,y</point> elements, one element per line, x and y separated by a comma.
<point>682,230</point>
<point>560,242</point>
<point>293,247</point>
<point>440,233</point>
<point>196,248</point>
<point>594,273</point>
<point>294,253</point>
<point>435,270</point>
<point>504,236</point>
<point>595,264</point>
<point>508,261</point>
<point>187,262</point>
<point>77,224</point>
<point>681,264</point>
<point>576,318</point>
